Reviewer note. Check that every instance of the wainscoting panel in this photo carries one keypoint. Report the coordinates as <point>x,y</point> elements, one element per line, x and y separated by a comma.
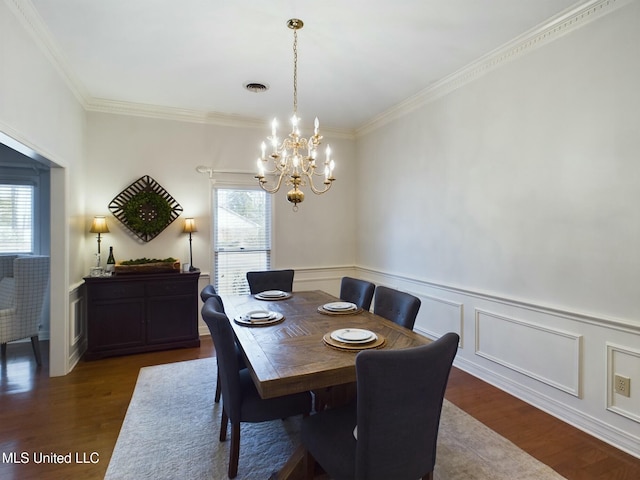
<point>548,355</point>
<point>438,316</point>
<point>76,341</point>
<point>623,361</point>
<point>77,324</point>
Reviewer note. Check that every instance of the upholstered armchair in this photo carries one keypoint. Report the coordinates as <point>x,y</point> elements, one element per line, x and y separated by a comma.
<point>23,290</point>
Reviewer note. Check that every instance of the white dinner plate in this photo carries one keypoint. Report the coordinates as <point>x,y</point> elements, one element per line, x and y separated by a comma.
<point>273,294</point>
<point>260,315</point>
<point>353,335</point>
<point>340,306</point>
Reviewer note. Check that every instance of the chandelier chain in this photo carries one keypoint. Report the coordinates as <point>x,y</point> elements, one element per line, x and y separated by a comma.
<point>295,72</point>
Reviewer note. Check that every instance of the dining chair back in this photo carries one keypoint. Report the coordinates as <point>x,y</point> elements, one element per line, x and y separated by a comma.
<point>261,281</point>
<point>217,305</point>
<point>391,430</point>
<point>210,292</point>
<point>241,401</point>
<point>399,307</point>
<point>207,292</point>
<point>357,291</point>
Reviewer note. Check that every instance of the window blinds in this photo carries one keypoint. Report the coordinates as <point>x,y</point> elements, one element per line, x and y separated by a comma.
<point>16,218</point>
<point>242,237</point>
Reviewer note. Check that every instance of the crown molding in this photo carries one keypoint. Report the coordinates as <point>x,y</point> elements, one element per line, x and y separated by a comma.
<point>565,22</point>
<point>562,24</point>
<point>33,24</point>
<point>170,113</point>
<point>30,19</point>
<point>190,115</point>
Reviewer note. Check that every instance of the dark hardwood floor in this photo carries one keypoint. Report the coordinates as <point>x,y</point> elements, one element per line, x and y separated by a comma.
<point>81,414</point>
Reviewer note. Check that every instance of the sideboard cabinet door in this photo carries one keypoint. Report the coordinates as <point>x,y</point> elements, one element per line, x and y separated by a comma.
<point>140,313</point>
<point>169,306</point>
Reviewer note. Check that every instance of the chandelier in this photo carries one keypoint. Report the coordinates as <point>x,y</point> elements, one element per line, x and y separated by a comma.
<point>294,160</point>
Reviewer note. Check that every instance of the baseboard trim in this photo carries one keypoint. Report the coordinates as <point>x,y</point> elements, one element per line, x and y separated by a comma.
<point>588,424</point>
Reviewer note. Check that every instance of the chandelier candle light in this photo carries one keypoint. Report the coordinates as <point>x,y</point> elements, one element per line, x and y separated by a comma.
<point>295,157</point>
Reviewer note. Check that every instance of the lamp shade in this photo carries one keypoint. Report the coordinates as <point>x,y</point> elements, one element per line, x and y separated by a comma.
<point>189,225</point>
<point>99,225</point>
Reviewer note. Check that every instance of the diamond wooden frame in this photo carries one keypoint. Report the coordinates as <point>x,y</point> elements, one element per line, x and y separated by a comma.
<point>147,213</point>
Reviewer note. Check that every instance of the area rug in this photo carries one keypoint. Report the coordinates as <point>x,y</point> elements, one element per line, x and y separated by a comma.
<point>171,432</point>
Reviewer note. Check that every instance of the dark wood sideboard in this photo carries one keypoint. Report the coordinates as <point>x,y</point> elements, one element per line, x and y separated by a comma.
<point>136,313</point>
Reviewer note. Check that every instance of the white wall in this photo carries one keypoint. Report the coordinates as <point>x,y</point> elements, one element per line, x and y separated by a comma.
<point>123,148</point>
<point>40,115</point>
<point>521,232</point>
<point>514,215</point>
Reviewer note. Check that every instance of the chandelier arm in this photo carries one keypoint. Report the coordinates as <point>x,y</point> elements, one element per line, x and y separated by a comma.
<point>263,184</point>
<point>276,170</point>
<point>317,191</point>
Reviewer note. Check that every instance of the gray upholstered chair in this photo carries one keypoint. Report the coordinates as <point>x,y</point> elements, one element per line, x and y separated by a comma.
<point>241,401</point>
<point>207,292</point>
<point>6,265</point>
<point>261,281</point>
<point>357,291</point>
<point>22,296</point>
<point>397,413</point>
<point>399,307</point>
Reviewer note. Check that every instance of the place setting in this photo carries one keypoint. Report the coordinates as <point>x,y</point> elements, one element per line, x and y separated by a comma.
<point>259,318</point>
<point>353,339</point>
<point>273,295</point>
<point>339,308</point>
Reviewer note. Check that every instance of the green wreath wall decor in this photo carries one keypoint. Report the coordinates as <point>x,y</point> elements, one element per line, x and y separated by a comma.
<point>145,208</point>
<point>147,212</point>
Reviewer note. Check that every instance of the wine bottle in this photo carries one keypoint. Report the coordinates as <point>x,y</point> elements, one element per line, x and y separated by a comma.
<point>111,261</point>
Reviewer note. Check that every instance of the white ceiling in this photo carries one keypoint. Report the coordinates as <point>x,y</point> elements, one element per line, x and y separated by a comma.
<point>357,58</point>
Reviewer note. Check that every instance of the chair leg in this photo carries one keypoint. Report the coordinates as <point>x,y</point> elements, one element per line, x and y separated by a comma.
<point>428,476</point>
<point>35,343</point>
<point>4,350</point>
<point>235,450</point>
<point>223,426</point>
<point>218,390</point>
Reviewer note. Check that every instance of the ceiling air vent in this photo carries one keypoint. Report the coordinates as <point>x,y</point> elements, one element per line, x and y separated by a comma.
<point>256,87</point>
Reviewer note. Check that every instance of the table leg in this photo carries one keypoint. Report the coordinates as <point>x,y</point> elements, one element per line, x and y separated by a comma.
<point>294,469</point>
<point>335,396</point>
<point>296,466</point>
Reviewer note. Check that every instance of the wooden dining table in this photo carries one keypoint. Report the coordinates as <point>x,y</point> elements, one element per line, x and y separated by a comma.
<point>291,356</point>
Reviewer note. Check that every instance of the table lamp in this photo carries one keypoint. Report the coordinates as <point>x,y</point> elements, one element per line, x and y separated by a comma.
<point>190,227</point>
<point>99,226</point>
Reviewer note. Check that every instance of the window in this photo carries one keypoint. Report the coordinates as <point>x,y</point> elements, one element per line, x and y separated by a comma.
<point>16,218</point>
<point>241,237</point>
